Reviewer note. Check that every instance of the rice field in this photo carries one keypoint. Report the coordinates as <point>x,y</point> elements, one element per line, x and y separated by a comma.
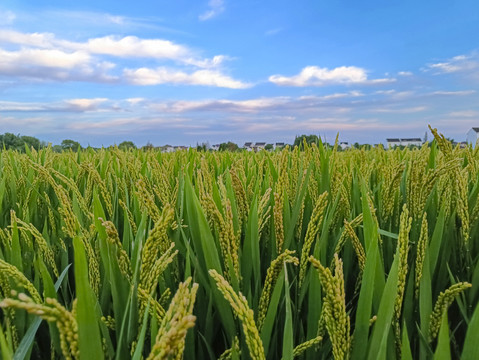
<point>311,254</point>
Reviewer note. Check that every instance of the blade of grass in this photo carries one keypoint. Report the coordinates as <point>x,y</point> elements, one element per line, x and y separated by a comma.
<point>471,344</point>
<point>443,349</point>
<point>269,320</point>
<point>288,324</point>
<point>5,350</point>
<point>405,345</point>
<point>29,337</point>
<point>89,339</point>
<point>382,326</point>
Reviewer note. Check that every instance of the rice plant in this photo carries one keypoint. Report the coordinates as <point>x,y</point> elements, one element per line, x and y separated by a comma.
<point>309,253</point>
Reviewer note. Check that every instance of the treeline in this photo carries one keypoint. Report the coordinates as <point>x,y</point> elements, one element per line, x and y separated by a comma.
<point>9,141</point>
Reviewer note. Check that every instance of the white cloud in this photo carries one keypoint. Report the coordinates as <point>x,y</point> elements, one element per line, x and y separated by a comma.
<point>43,58</point>
<point>162,75</point>
<point>405,73</point>
<point>41,40</point>
<point>82,61</point>
<point>131,46</point>
<point>134,101</point>
<point>317,76</point>
<point>122,47</point>
<point>85,104</point>
<point>216,7</point>
<point>52,64</point>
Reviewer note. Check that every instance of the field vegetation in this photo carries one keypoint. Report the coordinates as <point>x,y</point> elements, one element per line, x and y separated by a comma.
<point>304,253</point>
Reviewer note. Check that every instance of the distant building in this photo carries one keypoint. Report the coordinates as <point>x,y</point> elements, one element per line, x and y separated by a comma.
<point>249,146</point>
<point>215,147</point>
<point>393,142</point>
<point>344,145</point>
<point>462,144</point>
<point>472,136</point>
<point>259,146</point>
<point>167,148</point>
<point>403,142</point>
<point>278,145</point>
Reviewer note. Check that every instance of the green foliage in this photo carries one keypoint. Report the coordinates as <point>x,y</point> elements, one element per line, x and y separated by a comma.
<point>309,139</point>
<point>126,145</point>
<point>229,146</point>
<point>11,141</point>
<point>136,225</point>
<point>68,144</point>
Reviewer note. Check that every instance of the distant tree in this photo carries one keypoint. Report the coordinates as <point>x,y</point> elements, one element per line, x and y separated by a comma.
<point>425,136</point>
<point>202,146</point>
<point>229,146</point>
<point>299,140</point>
<point>268,147</point>
<point>125,145</point>
<point>148,146</point>
<point>31,142</point>
<point>57,148</point>
<point>69,144</point>
<point>12,142</point>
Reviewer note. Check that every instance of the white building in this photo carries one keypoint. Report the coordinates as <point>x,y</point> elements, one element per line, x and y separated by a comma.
<point>167,148</point>
<point>472,136</point>
<point>248,146</point>
<point>278,145</point>
<point>403,142</point>
<point>344,145</point>
<point>215,147</point>
<point>259,146</point>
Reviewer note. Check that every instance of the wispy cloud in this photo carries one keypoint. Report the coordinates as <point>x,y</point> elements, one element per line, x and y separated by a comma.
<point>68,105</point>
<point>272,32</point>
<point>120,125</point>
<point>216,7</point>
<point>99,20</point>
<point>453,93</point>
<point>457,64</point>
<point>464,113</point>
<point>402,110</point>
<point>7,17</point>
<point>317,76</point>
<point>331,103</point>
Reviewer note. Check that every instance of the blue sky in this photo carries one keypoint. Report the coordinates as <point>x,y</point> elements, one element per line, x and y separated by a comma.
<point>185,72</point>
